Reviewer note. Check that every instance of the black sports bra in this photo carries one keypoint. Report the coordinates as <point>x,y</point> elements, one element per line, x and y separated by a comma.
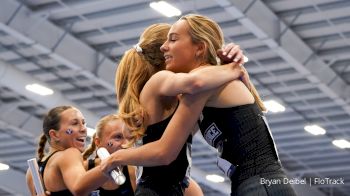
<point>42,165</point>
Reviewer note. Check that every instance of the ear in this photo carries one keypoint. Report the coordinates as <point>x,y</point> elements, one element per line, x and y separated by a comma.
<point>201,48</point>
<point>97,142</point>
<point>54,135</point>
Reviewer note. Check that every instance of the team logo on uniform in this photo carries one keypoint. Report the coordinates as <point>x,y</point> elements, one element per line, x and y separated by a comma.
<point>212,133</point>
<point>95,193</point>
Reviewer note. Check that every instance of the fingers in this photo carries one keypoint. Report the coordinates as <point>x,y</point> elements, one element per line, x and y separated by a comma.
<point>241,61</point>
<point>231,53</point>
<point>232,50</point>
<point>236,55</point>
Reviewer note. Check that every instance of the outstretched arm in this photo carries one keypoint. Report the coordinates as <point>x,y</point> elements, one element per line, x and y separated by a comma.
<point>167,148</point>
<point>77,179</point>
<point>199,80</point>
<point>205,78</point>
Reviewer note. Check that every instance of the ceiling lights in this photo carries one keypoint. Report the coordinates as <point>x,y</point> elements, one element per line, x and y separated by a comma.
<point>165,8</point>
<point>39,89</point>
<point>315,129</point>
<point>341,143</point>
<point>274,106</point>
<point>4,166</point>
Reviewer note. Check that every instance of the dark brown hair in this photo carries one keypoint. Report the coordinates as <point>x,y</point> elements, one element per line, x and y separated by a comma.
<point>51,121</point>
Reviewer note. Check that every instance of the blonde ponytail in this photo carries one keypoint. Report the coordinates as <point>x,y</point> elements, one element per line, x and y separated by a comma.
<point>134,70</point>
<point>257,97</point>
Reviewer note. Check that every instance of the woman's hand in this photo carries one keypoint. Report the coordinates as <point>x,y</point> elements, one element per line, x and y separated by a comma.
<point>231,53</point>
<point>108,164</point>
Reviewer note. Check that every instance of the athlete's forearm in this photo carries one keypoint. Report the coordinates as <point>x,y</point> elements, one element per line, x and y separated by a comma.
<point>166,149</point>
<point>211,77</point>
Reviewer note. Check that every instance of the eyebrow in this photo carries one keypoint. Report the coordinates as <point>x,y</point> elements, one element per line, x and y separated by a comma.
<point>76,119</point>
<point>173,34</point>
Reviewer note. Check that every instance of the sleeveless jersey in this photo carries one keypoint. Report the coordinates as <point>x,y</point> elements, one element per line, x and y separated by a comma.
<point>174,173</point>
<point>243,139</point>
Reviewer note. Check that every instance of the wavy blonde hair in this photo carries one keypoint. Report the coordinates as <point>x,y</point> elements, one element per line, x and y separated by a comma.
<point>134,70</point>
<point>203,29</point>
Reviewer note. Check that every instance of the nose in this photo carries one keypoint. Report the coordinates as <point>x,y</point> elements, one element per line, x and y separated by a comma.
<point>83,128</point>
<point>123,142</point>
<point>164,47</point>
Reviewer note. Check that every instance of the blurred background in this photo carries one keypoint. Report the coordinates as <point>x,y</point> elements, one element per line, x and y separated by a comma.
<point>298,59</point>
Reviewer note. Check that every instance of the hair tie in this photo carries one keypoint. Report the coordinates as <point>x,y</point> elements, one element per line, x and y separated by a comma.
<point>138,48</point>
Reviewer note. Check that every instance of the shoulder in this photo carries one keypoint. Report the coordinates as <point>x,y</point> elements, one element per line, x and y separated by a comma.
<point>68,155</point>
<point>154,84</point>
<point>69,158</point>
<point>161,75</point>
<point>71,151</point>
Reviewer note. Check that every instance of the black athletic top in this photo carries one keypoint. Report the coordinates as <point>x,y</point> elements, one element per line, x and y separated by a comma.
<point>177,172</point>
<point>42,165</point>
<point>124,189</point>
<point>243,139</point>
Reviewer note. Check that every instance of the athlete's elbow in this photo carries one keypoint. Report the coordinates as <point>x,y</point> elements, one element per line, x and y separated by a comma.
<point>79,191</point>
<point>165,158</point>
<point>195,87</point>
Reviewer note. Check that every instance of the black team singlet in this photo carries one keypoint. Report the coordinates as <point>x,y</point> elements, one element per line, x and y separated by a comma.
<point>168,179</point>
<point>243,139</point>
<point>42,165</point>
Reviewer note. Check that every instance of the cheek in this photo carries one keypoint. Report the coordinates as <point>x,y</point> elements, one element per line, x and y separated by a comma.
<point>114,144</point>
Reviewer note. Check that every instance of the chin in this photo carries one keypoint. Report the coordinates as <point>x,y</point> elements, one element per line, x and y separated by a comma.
<point>80,148</point>
<point>172,69</point>
<point>168,67</point>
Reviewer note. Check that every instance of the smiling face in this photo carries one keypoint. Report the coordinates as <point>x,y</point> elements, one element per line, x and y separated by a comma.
<point>72,130</point>
<point>179,50</point>
<point>111,136</point>
<point>192,41</point>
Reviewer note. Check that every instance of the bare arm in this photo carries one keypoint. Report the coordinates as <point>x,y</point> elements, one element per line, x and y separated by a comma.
<point>132,175</point>
<point>77,179</point>
<point>167,148</point>
<point>208,78</point>
<point>199,80</point>
<point>30,183</point>
<point>193,189</point>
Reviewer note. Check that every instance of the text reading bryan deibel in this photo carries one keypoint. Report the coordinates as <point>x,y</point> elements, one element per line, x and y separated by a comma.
<point>310,181</point>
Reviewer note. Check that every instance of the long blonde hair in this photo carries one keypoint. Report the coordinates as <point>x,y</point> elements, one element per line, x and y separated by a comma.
<point>203,29</point>
<point>134,70</point>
